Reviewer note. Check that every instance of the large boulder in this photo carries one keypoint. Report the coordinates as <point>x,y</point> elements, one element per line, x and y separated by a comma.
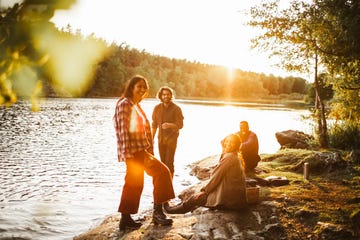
<point>293,139</point>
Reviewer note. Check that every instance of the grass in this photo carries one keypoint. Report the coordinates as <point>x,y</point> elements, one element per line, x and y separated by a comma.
<point>329,196</point>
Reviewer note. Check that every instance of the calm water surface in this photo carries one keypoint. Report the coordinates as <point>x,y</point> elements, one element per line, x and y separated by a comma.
<point>59,170</point>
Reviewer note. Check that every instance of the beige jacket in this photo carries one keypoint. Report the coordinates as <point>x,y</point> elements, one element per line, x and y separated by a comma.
<point>226,187</point>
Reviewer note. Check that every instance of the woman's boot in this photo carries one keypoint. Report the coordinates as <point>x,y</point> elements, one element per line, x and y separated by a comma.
<point>180,208</point>
<point>127,222</point>
<point>189,205</point>
<point>159,217</point>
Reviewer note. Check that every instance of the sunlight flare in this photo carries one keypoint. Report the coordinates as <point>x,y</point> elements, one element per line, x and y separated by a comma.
<point>71,62</point>
<point>230,74</point>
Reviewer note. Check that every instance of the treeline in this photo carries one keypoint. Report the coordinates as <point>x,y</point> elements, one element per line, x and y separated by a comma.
<point>188,79</point>
<point>39,60</point>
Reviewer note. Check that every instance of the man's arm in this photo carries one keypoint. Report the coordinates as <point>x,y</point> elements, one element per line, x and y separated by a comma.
<point>178,121</point>
<point>154,124</point>
<point>251,143</point>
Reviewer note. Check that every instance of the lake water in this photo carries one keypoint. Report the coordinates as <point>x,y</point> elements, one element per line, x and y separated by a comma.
<point>59,170</point>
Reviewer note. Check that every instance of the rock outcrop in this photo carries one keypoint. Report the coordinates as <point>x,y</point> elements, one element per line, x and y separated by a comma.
<point>257,222</point>
<point>293,139</point>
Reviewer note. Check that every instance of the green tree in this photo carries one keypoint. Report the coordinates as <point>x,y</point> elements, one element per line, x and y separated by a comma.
<point>340,44</point>
<point>292,35</point>
<point>21,61</point>
<point>325,89</point>
<point>299,86</point>
<point>272,84</point>
<point>323,35</point>
<point>35,53</point>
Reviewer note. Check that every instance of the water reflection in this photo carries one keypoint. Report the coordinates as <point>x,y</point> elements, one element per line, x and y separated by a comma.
<point>59,169</point>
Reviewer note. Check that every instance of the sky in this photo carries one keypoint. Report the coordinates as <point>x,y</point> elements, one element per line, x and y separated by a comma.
<point>206,31</point>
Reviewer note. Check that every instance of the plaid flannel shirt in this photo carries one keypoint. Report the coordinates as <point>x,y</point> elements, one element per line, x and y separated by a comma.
<point>132,129</point>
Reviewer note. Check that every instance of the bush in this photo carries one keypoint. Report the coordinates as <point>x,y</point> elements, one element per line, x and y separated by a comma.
<point>345,136</point>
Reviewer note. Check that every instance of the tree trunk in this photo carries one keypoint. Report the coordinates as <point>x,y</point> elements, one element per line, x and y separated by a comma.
<point>320,110</point>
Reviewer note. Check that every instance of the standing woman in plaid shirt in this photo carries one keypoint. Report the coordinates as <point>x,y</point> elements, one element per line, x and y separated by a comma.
<point>135,147</point>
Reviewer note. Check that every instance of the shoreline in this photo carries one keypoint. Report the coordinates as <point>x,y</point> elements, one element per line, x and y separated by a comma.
<point>281,212</point>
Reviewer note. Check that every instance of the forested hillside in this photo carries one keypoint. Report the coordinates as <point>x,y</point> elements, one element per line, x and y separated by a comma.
<point>39,60</point>
<point>189,79</point>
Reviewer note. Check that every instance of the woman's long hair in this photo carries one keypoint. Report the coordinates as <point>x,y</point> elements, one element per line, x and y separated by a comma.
<point>128,92</point>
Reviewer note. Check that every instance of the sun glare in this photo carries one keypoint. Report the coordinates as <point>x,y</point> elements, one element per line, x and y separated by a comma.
<point>228,30</point>
<point>230,73</point>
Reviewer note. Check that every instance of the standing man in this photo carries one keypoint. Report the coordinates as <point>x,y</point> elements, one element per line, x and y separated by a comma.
<point>249,147</point>
<point>168,118</point>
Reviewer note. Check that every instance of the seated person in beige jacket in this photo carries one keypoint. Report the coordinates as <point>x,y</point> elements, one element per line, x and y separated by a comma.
<point>226,188</point>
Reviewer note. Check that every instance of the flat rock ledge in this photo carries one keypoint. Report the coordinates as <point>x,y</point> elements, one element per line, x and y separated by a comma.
<point>257,222</point>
